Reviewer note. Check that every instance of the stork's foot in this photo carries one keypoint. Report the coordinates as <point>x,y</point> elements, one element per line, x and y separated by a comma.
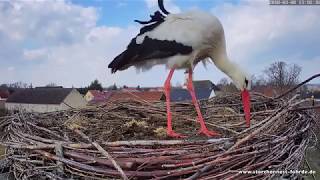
<point>173,134</point>
<point>208,133</point>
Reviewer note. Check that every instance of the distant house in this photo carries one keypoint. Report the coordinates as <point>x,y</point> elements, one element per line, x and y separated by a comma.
<point>154,89</point>
<point>206,86</point>
<point>4,94</point>
<point>2,103</point>
<point>149,96</point>
<point>181,94</point>
<point>204,90</point>
<point>95,95</point>
<point>45,99</point>
<point>313,87</point>
<point>131,89</point>
<point>270,91</point>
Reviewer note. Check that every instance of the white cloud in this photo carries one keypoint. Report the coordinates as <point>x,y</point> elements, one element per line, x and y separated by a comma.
<point>64,39</point>
<point>45,22</point>
<point>60,42</point>
<point>258,34</point>
<point>253,26</point>
<point>121,4</point>
<point>36,54</point>
<point>11,68</point>
<point>103,33</point>
<point>80,63</point>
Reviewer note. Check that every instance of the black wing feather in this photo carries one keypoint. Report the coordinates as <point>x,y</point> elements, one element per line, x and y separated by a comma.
<point>147,50</point>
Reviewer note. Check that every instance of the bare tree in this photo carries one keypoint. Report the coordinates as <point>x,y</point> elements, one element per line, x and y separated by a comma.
<point>258,81</point>
<point>225,85</point>
<point>18,85</point>
<point>293,75</point>
<point>51,84</point>
<point>282,75</point>
<point>223,82</point>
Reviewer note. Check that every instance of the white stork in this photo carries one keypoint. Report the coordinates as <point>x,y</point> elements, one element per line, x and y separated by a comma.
<point>181,41</point>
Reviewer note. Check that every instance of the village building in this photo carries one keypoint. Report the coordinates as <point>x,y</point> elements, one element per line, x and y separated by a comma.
<point>204,89</point>
<point>4,94</point>
<point>96,95</point>
<point>313,87</point>
<point>45,99</point>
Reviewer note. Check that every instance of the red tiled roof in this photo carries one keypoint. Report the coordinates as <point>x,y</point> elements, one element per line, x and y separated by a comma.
<point>99,96</point>
<point>4,94</point>
<point>269,90</point>
<point>141,95</point>
<point>95,92</point>
<point>131,89</point>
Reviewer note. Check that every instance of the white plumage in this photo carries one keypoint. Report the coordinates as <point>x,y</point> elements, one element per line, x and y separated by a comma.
<point>180,41</point>
<point>199,30</point>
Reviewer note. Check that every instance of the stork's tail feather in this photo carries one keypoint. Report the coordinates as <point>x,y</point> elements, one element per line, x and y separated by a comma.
<point>151,48</point>
<point>161,6</point>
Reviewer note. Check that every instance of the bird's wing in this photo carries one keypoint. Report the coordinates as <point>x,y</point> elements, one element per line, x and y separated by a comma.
<point>168,36</point>
<point>149,49</point>
<point>141,50</point>
<point>192,28</point>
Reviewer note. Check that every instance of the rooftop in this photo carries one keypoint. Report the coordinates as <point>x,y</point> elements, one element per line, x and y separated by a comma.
<point>180,94</point>
<point>40,96</point>
<point>4,94</point>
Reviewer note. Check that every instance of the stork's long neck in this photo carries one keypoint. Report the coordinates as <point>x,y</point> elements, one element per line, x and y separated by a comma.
<point>230,68</point>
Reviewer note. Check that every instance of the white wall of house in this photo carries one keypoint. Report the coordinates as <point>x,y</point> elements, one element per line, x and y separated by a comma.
<point>36,107</point>
<point>212,94</point>
<point>89,96</point>
<point>75,99</point>
<point>2,102</point>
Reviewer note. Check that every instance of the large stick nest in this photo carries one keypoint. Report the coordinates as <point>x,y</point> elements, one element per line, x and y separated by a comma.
<point>65,144</point>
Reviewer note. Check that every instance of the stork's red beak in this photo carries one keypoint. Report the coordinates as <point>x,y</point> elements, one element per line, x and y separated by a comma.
<point>246,105</point>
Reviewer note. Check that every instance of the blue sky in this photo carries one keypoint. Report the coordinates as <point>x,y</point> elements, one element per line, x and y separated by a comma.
<point>71,42</point>
<point>122,12</point>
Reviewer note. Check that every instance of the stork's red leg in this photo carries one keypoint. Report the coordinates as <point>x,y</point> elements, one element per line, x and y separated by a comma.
<point>167,87</point>
<point>204,130</point>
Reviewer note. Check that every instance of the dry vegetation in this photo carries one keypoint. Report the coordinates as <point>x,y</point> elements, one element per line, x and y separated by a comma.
<point>68,144</point>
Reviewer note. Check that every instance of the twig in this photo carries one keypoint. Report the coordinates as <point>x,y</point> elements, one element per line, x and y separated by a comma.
<point>277,139</point>
<point>59,152</point>
<point>104,152</point>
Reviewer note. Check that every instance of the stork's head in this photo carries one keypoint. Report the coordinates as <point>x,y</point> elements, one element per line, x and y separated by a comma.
<point>241,80</point>
<point>243,83</point>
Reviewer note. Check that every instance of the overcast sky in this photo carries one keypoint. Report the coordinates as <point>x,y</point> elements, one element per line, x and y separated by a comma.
<point>70,43</point>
